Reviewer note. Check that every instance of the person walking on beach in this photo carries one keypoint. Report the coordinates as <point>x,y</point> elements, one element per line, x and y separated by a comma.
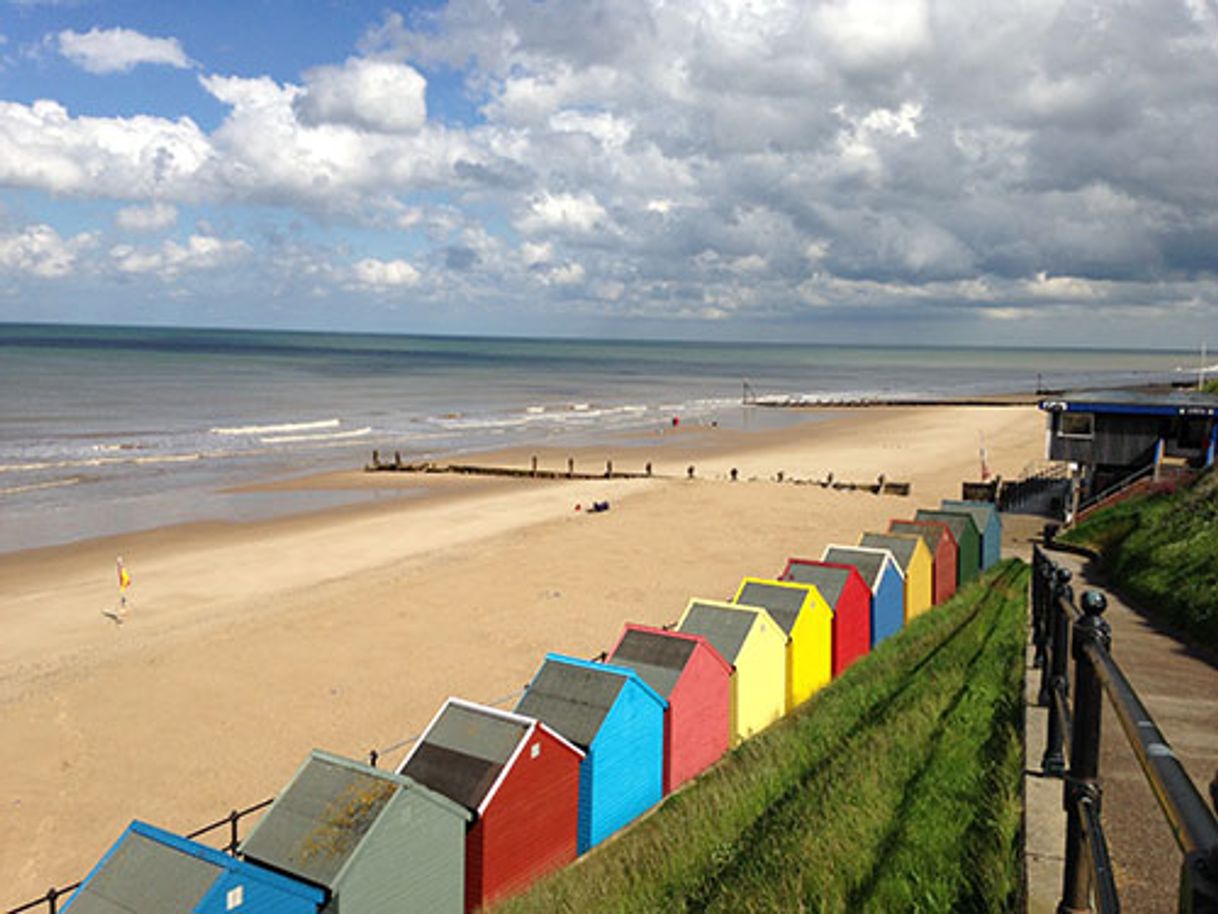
<point>124,581</point>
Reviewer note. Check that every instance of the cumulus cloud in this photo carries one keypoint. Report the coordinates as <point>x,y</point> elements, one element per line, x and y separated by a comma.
<point>39,250</point>
<point>376,95</point>
<point>385,274</point>
<point>119,50</point>
<point>43,147</point>
<point>567,274</point>
<point>578,213</point>
<point>171,259</point>
<point>727,160</point>
<point>151,218</point>
<point>532,255</point>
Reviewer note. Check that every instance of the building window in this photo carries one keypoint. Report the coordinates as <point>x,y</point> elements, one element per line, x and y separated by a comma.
<point>1076,425</point>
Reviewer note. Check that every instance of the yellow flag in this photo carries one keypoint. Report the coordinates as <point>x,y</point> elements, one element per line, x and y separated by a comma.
<point>124,579</point>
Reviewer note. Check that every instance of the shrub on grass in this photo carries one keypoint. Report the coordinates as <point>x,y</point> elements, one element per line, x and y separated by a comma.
<point>1163,552</point>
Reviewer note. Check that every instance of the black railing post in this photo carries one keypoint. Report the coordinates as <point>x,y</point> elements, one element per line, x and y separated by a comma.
<point>1055,579</point>
<point>1039,563</point>
<point>233,818</point>
<point>1198,885</point>
<point>1082,784</point>
<point>1056,680</point>
<point>52,900</point>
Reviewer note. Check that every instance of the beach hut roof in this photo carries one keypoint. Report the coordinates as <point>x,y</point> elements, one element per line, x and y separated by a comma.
<point>467,748</point>
<point>318,822</point>
<point>575,696</point>
<point>725,626</point>
<point>658,656</point>
<point>783,601</point>
<point>926,529</point>
<point>150,870</point>
<point>901,545</point>
<point>982,512</point>
<point>1136,402</point>
<point>868,561</point>
<point>956,521</point>
<point>828,580</point>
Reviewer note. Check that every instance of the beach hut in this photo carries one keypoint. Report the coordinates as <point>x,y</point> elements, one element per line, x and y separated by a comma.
<point>884,579</point>
<point>850,599</point>
<point>376,841</point>
<point>916,562</point>
<point>697,682</point>
<point>938,538</point>
<point>756,646</point>
<point>617,719</point>
<point>989,523</point>
<point>518,778</point>
<point>968,541</point>
<point>807,619</point>
<point>151,871</point>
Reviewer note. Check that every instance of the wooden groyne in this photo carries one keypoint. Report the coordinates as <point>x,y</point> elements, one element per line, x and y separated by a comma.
<point>782,402</point>
<point>882,485</point>
<point>463,469</point>
<point>532,472</point>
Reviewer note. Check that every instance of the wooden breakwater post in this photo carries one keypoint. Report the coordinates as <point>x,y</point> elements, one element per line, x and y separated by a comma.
<point>532,471</point>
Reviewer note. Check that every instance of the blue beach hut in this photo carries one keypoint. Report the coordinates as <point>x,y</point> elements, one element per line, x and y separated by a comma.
<point>887,582</point>
<point>151,871</point>
<point>989,523</point>
<point>617,719</point>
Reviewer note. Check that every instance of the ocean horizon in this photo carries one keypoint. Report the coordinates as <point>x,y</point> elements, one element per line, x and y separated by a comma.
<point>115,429</point>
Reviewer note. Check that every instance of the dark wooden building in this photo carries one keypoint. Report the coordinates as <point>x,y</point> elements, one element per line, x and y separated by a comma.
<point>1112,434</point>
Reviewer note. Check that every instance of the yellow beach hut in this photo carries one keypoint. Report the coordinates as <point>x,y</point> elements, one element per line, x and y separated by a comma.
<point>756,647</point>
<point>807,619</point>
<point>916,561</point>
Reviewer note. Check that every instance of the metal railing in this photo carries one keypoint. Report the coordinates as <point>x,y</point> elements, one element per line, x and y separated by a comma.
<point>1061,633</point>
<point>1116,488</point>
<point>57,894</point>
<point>233,821</point>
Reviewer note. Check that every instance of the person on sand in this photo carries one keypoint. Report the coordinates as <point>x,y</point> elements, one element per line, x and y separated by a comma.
<point>124,581</point>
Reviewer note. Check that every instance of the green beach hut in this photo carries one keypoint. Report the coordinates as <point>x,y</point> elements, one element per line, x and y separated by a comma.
<point>968,540</point>
<point>375,841</point>
<point>989,523</point>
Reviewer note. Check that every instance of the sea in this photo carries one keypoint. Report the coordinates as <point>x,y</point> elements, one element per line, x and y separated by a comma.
<point>108,430</point>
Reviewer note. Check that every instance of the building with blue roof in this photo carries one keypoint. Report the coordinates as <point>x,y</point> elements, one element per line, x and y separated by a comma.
<point>1111,434</point>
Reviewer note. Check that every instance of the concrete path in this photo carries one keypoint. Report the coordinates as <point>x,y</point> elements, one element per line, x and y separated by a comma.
<point>1179,685</point>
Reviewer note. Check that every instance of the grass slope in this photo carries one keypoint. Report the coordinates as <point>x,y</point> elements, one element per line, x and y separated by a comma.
<point>1163,553</point>
<point>896,788</point>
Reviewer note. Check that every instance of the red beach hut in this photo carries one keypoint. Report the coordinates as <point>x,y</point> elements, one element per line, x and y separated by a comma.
<point>850,598</point>
<point>688,671</point>
<point>942,545</point>
<point>521,781</point>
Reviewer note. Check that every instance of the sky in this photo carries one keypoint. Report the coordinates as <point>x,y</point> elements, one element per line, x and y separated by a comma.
<point>1031,172</point>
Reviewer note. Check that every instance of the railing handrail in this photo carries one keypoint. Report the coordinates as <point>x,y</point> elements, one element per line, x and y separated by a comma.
<point>52,896</point>
<point>50,899</point>
<point>1088,872</point>
<point>1117,487</point>
<point>1191,822</point>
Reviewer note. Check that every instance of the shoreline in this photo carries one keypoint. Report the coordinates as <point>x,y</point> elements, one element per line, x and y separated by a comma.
<point>251,643</point>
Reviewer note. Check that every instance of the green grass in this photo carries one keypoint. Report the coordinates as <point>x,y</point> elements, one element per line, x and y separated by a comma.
<point>1162,551</point>
<point>895,789</point>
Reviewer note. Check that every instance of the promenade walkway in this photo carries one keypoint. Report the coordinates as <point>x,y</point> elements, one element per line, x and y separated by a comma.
<point>1179,685</point>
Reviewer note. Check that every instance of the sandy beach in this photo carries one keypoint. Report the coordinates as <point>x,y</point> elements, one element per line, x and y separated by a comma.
<point>249,644</point>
